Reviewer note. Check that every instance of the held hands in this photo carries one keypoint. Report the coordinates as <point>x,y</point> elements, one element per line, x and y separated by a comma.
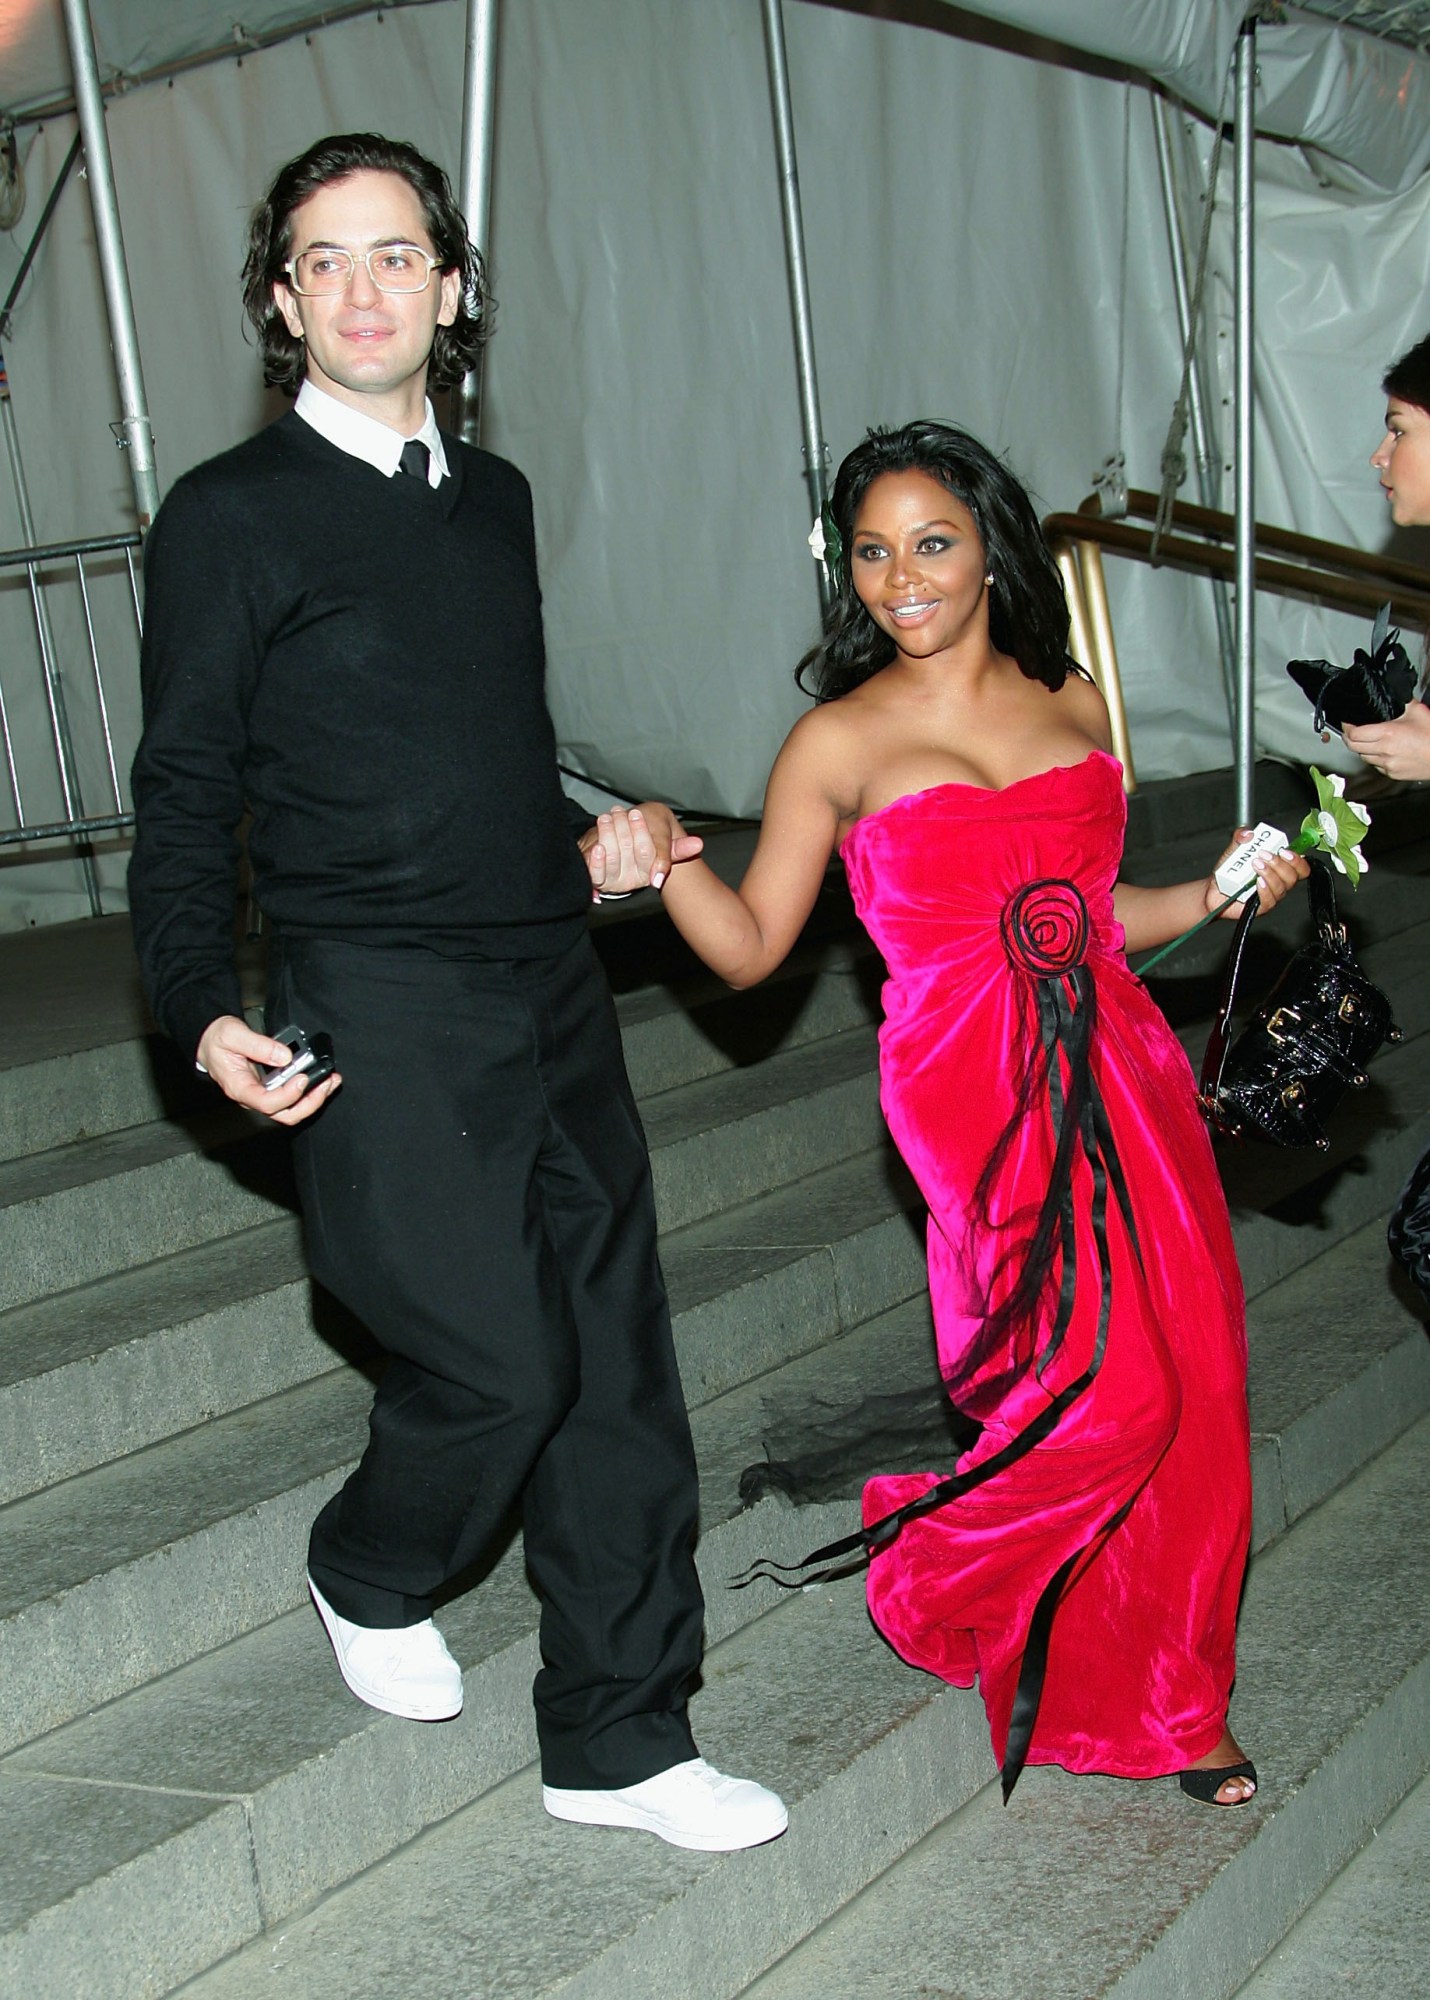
<point>1401,749</point>
<point>635,849</point>
<point>228,1050</point>
<point>1278,875</point>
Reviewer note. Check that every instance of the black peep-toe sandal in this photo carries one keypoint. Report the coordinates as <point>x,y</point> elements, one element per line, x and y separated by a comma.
<point>1204,1785</point>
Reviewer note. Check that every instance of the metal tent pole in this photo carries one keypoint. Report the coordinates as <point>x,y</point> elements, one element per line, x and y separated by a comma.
<point>1245,746</point>
<point>1203,442</point>
<point>475,192</point>
<point>816,451</point>
<point>134,418</point>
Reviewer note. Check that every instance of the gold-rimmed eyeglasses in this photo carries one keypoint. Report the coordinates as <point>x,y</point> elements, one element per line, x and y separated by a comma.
<point>393,267</point>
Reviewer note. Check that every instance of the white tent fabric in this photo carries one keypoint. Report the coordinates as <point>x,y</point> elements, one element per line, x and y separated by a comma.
<point>964,215</point>
<point>132,36</point>
<point>1361,103</point>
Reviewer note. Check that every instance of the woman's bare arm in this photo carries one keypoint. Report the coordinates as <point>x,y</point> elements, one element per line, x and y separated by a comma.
<point>1150,917</point>
<point>744,933</point>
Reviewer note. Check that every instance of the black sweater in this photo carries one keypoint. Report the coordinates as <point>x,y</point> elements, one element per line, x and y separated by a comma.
<point>358,661</point>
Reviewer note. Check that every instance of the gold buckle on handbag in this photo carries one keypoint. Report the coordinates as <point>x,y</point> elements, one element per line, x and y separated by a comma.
<point>1277,1026</point>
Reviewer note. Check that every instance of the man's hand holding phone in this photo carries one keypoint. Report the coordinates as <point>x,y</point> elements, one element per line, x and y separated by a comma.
<point>241,1061</point>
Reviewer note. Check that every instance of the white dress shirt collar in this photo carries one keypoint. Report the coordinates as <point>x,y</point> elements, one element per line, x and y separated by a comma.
<point>377,444</point>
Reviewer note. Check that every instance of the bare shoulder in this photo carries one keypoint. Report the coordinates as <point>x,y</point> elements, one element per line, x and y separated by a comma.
<point>1080,702</point>
<point>820,753</point>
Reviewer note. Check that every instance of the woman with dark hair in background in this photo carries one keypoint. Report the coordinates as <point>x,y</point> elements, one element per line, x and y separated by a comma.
<point>1086,1296</point>
<point>1401,748</point>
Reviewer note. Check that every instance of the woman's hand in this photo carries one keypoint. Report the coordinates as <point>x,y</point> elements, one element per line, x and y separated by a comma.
<point>1401,749</point>
<point>1278,875</point>
<point>625,851</point>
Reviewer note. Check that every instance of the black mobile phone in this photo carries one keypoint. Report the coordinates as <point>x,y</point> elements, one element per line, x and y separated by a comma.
<point>313,1059</point>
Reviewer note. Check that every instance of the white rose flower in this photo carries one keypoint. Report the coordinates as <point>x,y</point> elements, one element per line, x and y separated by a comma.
<point>816,538</point>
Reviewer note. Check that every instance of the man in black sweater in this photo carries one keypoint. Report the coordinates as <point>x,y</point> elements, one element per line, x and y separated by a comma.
<point>343,638</point>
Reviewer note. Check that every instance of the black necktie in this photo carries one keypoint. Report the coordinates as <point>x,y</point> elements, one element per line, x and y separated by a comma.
<point>415,460</point>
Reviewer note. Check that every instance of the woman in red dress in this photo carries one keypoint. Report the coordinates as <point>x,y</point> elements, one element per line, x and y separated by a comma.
<point>1086,1297</point>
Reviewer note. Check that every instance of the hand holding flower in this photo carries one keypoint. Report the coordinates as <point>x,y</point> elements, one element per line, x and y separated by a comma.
<point>1276,876</point>
<point>1335,828</point>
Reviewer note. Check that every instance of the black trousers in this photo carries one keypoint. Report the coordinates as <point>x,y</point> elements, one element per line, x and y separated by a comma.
<point>478,1193</point>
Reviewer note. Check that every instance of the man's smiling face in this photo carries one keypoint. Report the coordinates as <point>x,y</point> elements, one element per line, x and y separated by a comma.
<point>367,347</point>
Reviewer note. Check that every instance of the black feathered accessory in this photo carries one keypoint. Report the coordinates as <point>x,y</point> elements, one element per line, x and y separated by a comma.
<point>1375,687</point>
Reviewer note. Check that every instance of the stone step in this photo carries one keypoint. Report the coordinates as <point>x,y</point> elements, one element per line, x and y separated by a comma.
<point>1204,803</point>
<point>80,1212</point>
<point>672,1036</point>
<point>126,1572</point>
<point>1285,1200</point>
<point>1339,1366</point>
<point>106,1577</point>
<point>1369,1931</point>
<point>1286,1205</point>
<point>676,1035</point>
<point>773,1282</point>
<point>725,1139</point>
<point>100,1072</point>
<point>325,1787</point>
<point>93,1374</point>
<point>77,1213</point>
<point>143,1842</point>
<point>83,1093</point>
<point>165,1333</point>
<point>1391,900</point>
<point>1099,1887</point>
<point>885,1773</point>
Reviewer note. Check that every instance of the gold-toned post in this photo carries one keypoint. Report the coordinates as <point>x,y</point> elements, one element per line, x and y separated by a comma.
<point>1104,665</point>
<point>1080,635</point>
<point>1091,642</point>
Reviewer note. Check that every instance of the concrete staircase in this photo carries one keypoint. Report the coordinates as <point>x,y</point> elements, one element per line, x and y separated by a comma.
<point>188,1794</point>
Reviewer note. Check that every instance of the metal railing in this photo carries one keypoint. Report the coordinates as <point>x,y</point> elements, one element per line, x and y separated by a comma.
<point>1202,541</point>
<point>45,567</point>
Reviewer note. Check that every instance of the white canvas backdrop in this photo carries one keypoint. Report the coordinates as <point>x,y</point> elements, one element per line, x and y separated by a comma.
<point>972,256</point>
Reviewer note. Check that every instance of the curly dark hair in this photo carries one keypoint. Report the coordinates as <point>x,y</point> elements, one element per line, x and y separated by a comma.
<point>1409,377</point>
<point>270,244</point>
<point>1027,609</point>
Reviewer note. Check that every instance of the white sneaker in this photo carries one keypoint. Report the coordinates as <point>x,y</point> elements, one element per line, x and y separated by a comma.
<point>690,1805</point>
<point>405,1671</point>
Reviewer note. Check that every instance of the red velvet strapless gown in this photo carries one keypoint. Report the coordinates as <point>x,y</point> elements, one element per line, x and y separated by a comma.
<point>1142,1646</point>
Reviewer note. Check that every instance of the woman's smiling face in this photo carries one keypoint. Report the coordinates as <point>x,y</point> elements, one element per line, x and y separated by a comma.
<point>916,561</point>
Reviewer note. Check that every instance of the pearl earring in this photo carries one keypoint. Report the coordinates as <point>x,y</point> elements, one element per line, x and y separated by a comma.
<point>989,579</point>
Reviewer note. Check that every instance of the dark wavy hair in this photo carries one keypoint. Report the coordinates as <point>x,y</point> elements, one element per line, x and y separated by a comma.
<point>1027,609</point>
<point>1409,377</point>
<point>270,245</point>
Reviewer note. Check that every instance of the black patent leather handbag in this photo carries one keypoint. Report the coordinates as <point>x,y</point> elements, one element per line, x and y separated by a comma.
<point>1308,1042</point>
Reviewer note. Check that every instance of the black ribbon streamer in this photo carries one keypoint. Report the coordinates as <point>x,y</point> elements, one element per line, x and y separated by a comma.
<point>1045,929</point>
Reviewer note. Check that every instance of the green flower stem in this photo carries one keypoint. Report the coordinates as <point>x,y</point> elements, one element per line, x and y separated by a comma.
<point>1304,843</point>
